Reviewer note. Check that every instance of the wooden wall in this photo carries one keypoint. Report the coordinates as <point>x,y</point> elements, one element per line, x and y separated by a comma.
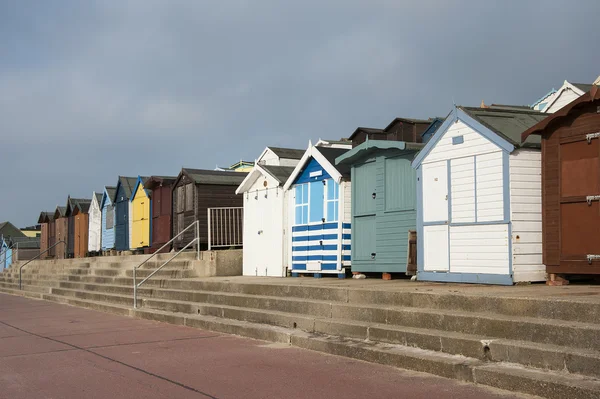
<point>44,239</point>
<point>190,203</point>
<point>62,229</point>
<point>161,216</point>
<point>570,172</point>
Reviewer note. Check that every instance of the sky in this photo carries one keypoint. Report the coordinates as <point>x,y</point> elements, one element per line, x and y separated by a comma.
<point>90,90</point>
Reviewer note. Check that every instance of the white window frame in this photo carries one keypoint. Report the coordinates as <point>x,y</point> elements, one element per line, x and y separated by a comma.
<point>335,201</point>
<point>304,186</point>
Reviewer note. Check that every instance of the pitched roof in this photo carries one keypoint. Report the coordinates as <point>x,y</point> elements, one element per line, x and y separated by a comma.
<point>9,229</point>
<point>508,123</point>
<point>61,210</point>
<point>409,120</point>
<point>371,147</point>
<point>154,181</point>
<point>110,192</point>
<point>128,184</point>
<point>287,153</point>
<point>331,154</point>
<point>279,173</point>
<point>82,204</point>
<point>368,130</point>
<point>585,87</point>
<point>203,176</point>
<point>511,107</point>
<point>45,217</point>
<point>433,127</point>
<point>537,129</point>
<point>98,197</point>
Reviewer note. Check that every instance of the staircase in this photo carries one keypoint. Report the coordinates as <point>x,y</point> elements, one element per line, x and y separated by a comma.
<point>530,345</point>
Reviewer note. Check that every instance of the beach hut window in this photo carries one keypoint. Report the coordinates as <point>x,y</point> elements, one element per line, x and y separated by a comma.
<point>332,201</point>
<point>302,204</point>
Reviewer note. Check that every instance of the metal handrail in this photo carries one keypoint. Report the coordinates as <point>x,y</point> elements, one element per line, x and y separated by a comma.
<point>36,257</point>
<point>196,240</point>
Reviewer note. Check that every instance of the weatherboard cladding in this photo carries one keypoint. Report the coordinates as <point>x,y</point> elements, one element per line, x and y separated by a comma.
<point>125,187</point>
<point>471,217</point>
<point>161,197</point>
<point>384,204</point>
<point>205,189</point>
<point>108,219</point>
<point>571,173</point>
<point>140,215</point>
<point>318,245</point>
<point>77,238</point>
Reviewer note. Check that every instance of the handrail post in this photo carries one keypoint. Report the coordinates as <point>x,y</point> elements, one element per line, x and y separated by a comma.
<point>197,240</point>
<point>209,232</point>
<point>134,289</point>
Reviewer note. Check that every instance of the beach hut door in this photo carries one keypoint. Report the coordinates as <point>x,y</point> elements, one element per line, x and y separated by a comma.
<point>580,201</point>
<point>316,221</point>
<point>435,217</point>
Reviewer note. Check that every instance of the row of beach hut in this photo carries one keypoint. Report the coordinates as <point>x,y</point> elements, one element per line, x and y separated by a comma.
<point>492,194</point>
<point>137,214</point>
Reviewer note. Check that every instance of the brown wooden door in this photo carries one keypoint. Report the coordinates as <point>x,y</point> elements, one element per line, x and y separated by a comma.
<point>579,218</point>
<point>81,235</point>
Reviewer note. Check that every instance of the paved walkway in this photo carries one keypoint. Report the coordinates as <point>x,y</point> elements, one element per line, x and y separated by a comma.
<point>48,350</point>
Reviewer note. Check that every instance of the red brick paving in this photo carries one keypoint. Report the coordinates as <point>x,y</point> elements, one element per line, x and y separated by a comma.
<point>48,350</point>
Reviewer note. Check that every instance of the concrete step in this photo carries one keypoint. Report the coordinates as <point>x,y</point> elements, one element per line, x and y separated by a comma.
<point>26,287</point>
<point>552,332</point>
<point>549,384</point>
<point>511,306</point>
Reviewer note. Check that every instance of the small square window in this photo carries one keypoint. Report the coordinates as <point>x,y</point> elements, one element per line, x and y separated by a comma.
<point>458,140</point>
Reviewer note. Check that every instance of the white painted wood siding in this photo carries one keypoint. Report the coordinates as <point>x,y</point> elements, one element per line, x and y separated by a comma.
<point>526,214</point>
<point>490,187</point>
<point>463,190</point>
<point>435,192</point>
<point>435,241</point>
<point>94,226</point>
<point>263,229</point>
<point>346,188</point>
<point>479,249</point>
<point>474,144</point>
<point>565,97</point>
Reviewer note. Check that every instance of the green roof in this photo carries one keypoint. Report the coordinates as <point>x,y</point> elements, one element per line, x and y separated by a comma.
<point>508,123</point>
<point>372,147</point>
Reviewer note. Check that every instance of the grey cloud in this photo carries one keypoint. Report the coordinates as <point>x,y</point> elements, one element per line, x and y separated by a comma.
<point>90,90</point>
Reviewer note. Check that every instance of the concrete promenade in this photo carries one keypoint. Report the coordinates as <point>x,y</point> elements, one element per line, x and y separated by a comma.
<point>48,350</point>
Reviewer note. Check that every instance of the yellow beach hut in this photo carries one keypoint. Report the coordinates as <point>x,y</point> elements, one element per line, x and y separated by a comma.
<point>140,215</point>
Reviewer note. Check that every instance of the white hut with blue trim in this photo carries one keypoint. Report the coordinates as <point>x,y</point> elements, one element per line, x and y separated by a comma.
<point>319,212</point>
<point>479,199</point>
<point>266,212</point>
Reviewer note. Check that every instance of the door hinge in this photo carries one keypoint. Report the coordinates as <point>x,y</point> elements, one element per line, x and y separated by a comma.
<point>590,258</point>
<point>591,136</point>
<point>591,198</point>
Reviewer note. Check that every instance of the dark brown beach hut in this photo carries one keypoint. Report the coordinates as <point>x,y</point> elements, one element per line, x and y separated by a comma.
<point>161,188</point>
<point>196,190</point>
<point>571,187</point>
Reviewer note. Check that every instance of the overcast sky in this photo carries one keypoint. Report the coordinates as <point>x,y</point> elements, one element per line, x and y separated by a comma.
<point>90,90</point>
